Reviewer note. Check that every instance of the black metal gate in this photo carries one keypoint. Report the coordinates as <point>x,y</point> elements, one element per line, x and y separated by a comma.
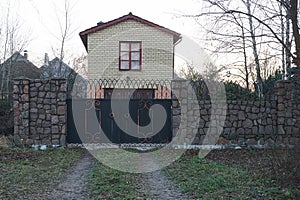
<point>93,121</point>
<point>133,118</point>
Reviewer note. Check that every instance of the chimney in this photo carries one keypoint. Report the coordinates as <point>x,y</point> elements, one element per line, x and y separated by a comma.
<point>46,60</point>
<point>26,54</point>
<point>100,23</point>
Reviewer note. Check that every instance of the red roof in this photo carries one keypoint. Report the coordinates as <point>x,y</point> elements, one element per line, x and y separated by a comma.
<point>84,34</point>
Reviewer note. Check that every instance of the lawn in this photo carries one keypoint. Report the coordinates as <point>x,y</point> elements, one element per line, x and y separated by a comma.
<point>108,183</point>
<point>229,174</point>
<point>27,173</point>
<point>226,174</point>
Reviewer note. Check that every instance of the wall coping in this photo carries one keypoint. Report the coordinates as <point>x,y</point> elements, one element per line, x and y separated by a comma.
<point>24,78</point>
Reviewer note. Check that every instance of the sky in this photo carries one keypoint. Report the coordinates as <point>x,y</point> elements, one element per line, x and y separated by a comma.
<point>40,19</point>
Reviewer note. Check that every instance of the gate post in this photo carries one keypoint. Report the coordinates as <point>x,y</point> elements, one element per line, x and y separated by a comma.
<point>39,112</point>
<point>179,106</point>
<point>21,111</point>
<point>288,111</point>
<point>58,111</point>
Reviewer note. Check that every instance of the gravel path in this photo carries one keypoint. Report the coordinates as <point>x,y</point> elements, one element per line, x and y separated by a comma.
<point>160,187</point>
<point>73,186</point>
<point>154,184</point>
<point>157,185</point>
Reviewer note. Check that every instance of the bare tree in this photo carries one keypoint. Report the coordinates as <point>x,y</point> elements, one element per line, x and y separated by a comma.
<point>231,35</point>
<point>79,65</point>
<point>268,28</point>
<point>285,35</point>
<point>254,48</point>
<point>293,10</point>
<point>291,7</point>
<point>189,72</point>
<point>288,42</point>
<point>65,25</point>
<point>245,58</point>
<point>11,40</point>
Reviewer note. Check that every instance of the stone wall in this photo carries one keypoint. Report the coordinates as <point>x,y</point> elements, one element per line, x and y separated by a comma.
<point>40,116</point>
<point>247,123</point>
<point>39,112</point>
<point>288,108</point>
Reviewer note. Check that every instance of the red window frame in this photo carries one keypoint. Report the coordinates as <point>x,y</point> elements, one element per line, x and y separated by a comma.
<point>130,52</point>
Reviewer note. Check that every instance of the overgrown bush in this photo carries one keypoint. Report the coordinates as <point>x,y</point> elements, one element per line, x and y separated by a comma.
<point>236,92</point>
<point>6,118</point>
<point>295,78</point>
<point>200,89</point>
<point>233,90</point>
<point>286,166</point>
<point>269,84</point>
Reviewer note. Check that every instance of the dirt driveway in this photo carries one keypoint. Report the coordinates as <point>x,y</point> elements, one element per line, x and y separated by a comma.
<point>155,184</point>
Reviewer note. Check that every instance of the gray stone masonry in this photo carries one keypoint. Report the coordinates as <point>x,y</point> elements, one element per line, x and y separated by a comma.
<point>40,116</point>
<point>247,123</point>
<point>39,112</point>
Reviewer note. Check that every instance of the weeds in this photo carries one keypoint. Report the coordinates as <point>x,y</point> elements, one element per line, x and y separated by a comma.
<point>205,179</point>
<point>29,174</point>
<point>108,183</point>
<point>285,165</point>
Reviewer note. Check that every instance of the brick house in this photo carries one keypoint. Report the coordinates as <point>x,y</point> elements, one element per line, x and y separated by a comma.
<point>129,57</point>
<point>130,47</point>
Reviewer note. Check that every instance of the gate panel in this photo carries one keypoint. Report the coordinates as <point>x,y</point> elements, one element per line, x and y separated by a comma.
<point>139,111</point>
<point>72,134</point>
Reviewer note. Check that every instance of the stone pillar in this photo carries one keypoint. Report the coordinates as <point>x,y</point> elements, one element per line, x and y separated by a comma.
<point>21,112</point>
<point>185,112</point>
<point>40,112</point>
<point>59,114</point>
<point>177,104</point>
<point>288,112</point>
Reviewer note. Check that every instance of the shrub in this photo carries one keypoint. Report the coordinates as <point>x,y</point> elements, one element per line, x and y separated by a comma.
<point>6,118</point>
<point>236,92</point>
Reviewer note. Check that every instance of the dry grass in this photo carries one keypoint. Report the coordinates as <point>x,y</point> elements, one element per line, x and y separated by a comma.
<point>5,142</point>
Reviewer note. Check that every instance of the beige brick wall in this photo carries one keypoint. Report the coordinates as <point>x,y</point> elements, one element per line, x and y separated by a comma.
<point>157,52</point>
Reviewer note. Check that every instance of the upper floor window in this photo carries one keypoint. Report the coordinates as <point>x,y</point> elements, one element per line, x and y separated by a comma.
<point>130,56</point>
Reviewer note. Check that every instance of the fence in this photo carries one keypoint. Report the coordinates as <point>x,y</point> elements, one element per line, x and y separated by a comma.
<point>101,88</point>
<point>40,112</point>
<point>248,121</point>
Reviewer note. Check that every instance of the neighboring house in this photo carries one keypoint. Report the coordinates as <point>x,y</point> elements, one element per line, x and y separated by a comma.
<point>130,47</point>
<point>16,66</point>
<point>56,69</point>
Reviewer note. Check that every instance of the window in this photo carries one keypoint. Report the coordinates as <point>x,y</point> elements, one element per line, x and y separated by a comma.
<point>130,56</point>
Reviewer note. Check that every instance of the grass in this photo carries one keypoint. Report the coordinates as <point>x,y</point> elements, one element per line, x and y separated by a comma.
<point>104,182</point>
<point>29,173</point>
<point>107,183</point>
<point>223,175</point>
<point>204,179</point>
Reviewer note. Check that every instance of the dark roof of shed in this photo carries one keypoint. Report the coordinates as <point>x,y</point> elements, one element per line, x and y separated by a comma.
<point>51,70</point>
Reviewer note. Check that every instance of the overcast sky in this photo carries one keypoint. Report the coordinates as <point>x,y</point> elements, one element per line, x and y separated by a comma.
<point>41,17</point>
